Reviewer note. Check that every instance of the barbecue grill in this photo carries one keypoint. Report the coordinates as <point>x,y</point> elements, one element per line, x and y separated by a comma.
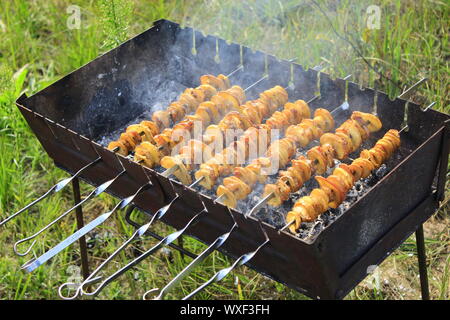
<point>72,117</point>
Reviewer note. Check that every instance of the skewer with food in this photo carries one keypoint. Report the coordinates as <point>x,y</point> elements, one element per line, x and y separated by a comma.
<point>333,189</point>
<point>187,103</point>
<point>203,151</point>
<point>347,138</point>
<point>225,162</point>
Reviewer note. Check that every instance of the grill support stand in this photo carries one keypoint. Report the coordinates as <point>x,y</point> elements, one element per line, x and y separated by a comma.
<point>80,224</point>
<point>440,194</point>
<point>421,256</point>
<point>181,244</point>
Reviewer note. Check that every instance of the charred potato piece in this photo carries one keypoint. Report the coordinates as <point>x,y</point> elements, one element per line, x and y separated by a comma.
<point>208,90</point>
<point>225,80</point>
<point>148,153</point>
<point>334,191</point>
<point>152,126</point>
<point>143,131</point>
<point>321,198</point>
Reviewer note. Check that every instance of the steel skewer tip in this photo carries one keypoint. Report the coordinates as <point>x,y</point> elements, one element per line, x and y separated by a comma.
<point>407,93</point>
<point>232,73</point>
<point>260,204</point>
<point>429,106</point>
<point>347,77</point>
<point>404,128</point>
<point>286,226</point>
<point>254,84</point>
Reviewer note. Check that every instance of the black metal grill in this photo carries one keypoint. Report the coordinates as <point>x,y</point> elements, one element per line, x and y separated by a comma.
<point>71,116</point>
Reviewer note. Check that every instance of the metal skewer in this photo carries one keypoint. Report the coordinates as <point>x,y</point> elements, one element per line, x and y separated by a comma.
<point>220,198</point>
<point>35,263</point>
<point>407,93</point>
<point>191,266</point>
<point>238,68</point>
<point>57,187</point>
<point>164,242</point>
<point>224,272</point>
<point>286,226</point>
<point>97,191</point>
<point>138,233</point>
<point>254,84</point>
<point>260,204</point>
<point>404,128</point>
<point>429,106</point>
<point>291,222</point>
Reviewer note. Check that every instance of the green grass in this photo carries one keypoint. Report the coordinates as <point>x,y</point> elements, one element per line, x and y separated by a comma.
<point>37,48</point>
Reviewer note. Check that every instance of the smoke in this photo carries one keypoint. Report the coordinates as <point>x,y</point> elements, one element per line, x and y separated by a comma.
<point>311,32</point>
<point>294,30</point>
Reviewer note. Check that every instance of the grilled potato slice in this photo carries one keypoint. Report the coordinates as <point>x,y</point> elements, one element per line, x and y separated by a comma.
<point>368,120</point>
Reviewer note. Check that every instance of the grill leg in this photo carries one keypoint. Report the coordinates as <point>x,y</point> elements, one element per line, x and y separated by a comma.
<point>80,224</point>
<point>422,263</point>
<point>181,244</point>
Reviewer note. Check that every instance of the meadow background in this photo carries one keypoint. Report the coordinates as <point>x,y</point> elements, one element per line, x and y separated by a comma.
<point>37,47</point>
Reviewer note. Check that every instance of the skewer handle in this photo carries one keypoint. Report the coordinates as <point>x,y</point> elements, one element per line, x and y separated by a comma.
<point>188,269</point>
<point>57,187</point>
<point>97,191</point>
<point>35,263</point>
<point>165,241</point>
<point>224,272</point>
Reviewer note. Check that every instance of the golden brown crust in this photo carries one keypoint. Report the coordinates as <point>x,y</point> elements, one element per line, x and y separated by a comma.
<point>333,189</point>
